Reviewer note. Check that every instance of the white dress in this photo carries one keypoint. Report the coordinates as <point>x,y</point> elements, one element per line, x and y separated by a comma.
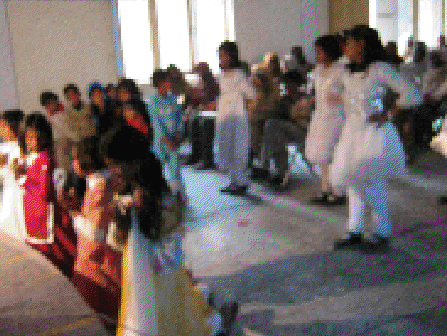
<point>232,124</point>
<point>327,119</point>
<point>12,220</point>
<point>366,151</point>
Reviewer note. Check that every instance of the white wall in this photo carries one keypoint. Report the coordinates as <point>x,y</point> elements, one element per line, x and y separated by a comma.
<point>276,25</point>
<point>56,42</point>
<point>8,91</point>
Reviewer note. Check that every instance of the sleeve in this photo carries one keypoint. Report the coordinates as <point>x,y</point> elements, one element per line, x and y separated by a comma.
<point>178,117</point>
<point>409,94</point>
<point>155,119</point>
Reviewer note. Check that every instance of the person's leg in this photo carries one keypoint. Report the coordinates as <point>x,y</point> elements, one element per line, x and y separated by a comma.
<point>195,141</point>
<point>355,222</point>
<point>175,174</point>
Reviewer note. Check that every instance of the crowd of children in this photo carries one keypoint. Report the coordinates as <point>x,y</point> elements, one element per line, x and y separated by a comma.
<point>97,188</point>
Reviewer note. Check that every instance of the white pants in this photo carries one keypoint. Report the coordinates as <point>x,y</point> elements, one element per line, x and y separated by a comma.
<point>375,194</point>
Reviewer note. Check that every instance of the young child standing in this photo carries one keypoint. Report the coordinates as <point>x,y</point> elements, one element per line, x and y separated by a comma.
<point>232,122</point>
<point>166,118</point>
<point>48,227</point>
<point>11,213</point>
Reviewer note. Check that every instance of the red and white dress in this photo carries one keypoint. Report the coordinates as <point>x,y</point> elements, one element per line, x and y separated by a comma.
<point>48,227</point>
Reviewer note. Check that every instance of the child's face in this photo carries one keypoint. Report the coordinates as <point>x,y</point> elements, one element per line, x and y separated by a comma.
<point>52,105</point>
<point>97,97</point>
<point>73,97</point>
<point>224,59</point>
<point>123,94</point>
<point>32,140</point>
<point>320,56</point>
<point>164,87</point>
<point>5,131</point>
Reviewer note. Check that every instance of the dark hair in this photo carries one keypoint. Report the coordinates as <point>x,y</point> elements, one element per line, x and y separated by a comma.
<point>88,154</point>
<point>93,87</point>
<point>373,49</point>
<point>130,86</point>
<point>14,119</point>
<point>71,87</point>
<point>232,50</point>
<point>40,124</point>
<point>266,83</point>
<point>46,96</point>
<point>126,147</point>
<point>330,44</point>
<point>293,77</point>
<point>159,76</point>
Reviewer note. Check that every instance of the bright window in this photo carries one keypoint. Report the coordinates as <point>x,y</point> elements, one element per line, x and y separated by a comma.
<point>136,39</point>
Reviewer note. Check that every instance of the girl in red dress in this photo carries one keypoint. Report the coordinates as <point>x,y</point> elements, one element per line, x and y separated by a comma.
<point>48,227</point>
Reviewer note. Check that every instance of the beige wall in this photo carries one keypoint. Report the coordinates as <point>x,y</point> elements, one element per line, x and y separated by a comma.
<point>56,42</point>
<point>271,25</point>
<point>8,90</point>
<point>343,14</point>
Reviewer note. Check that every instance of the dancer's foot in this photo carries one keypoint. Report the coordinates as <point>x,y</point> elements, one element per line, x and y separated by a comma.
<point>352,242</point>
<point>335,200</point>
<point>321,199</point>
<point>376,244</point>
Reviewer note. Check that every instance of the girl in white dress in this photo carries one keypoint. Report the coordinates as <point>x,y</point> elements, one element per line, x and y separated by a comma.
<point>369,150</point>
<point>232,123</point>
<point>327,119</point>
<point>11,213</point>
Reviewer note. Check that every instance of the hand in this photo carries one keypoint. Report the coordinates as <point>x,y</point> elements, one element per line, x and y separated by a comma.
<point>128,113</point>
<point>379,119</point>
<point>169,144</point>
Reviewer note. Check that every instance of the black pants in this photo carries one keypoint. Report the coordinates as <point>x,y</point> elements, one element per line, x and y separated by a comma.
<point>202,140</point>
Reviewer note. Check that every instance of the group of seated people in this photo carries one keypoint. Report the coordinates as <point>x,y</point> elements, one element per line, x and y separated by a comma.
<point>76,177</point>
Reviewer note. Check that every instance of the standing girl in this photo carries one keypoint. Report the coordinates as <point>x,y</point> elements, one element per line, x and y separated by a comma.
<point>11,213</point>
<point>48,228</point>
<point>369,150</point>
<point>166,118</point>
<point>232,123</point>
<point>327,118</point>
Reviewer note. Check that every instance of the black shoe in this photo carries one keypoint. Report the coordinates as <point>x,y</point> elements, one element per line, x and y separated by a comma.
<point>239,190</point>
<point>259,173</point>
<point>191,161</point>
<point>228,311</point>
<point>229,189</point>
<point>322,199</point>
<point>335,200</point>
<point>442,200</point>
<point>353,242</point>
<point>205,166</point>
<point>377,244</point>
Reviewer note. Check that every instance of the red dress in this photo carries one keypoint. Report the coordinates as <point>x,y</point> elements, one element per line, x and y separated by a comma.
<point>49,228</point>
<point>97,270</point>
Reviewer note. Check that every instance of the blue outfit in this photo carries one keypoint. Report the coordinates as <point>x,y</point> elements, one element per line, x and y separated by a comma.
<point>166,120</point>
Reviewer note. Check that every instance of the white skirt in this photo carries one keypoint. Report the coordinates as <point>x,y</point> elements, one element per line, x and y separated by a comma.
<point>366,152</point>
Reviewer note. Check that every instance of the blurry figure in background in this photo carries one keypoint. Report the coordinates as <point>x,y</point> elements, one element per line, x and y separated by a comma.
<point>11,214</point>
<point>202,128</point>
<point>131,108</point>
<point>261,109</point>
<point>296,61</point>
<point>409,51</point>
<point>289,125</point>
<point>97,269</point>
<point>48,226</point>
<point>81,125</point>
<point>56,115</point>
<point>392,55</point>
<point>102,108</point>
<point>327,118</point>
<point>179,86</point>
<point>111,92</point>
<point>166,118</point>
<point>78,115</point>
<point>415,68</point>
<point>232,124</point>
